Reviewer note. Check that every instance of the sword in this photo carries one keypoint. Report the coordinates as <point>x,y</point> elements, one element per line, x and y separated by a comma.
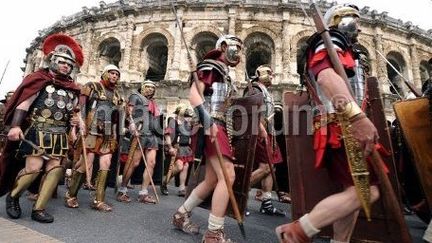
<point>40,150</point>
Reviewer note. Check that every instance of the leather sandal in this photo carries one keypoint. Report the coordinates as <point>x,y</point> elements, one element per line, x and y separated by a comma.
<point>101,206</point>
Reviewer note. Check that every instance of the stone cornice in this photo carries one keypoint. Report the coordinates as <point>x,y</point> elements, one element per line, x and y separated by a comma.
<point>125,8</point>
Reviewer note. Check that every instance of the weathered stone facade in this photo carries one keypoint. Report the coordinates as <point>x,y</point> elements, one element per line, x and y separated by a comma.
<point>141,37</point>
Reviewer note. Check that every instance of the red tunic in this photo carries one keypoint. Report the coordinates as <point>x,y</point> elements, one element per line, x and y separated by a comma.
<point>208,78</point>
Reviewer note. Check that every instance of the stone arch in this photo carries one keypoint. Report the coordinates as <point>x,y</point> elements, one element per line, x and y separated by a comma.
<point>148,31</point>
<point>398,61</point>
<point>258,29</point>
<point>137,51</point>
<point>300,50</point>
<point>154,56</point>
<point>108,51</point>
<point>297,40</point>
<point>190,35</point>
<point>203,42</point>
<point>259,49</point>
<point>425,70</point>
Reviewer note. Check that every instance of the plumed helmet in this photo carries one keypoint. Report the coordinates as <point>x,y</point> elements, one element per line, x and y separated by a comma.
<point>334,14</point>
<point>108,68</point>
<point>64,46</point>
<point>228,39</point>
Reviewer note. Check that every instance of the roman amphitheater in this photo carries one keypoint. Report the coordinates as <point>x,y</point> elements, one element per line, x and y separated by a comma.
<point>143,39</point>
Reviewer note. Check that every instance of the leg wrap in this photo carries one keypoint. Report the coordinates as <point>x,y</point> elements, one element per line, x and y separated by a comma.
<point>22,182</point>
<point>100,185</point>
<point>52,177</point>
<point>77,180</point>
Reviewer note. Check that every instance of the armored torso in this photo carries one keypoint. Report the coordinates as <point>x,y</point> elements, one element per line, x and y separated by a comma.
<point>141,114</point>
<point>217,100</point>
<point>52,108</point>
<point>101,105</point>
<point>355,73</point>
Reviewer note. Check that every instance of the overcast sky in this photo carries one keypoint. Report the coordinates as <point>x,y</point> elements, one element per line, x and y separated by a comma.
<point>21,19</point>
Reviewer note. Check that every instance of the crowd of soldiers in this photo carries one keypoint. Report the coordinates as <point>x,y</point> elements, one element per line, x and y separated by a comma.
<point>50,120</point>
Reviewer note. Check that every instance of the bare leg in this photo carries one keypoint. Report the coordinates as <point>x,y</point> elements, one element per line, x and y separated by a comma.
<point>338,206</point>
<point>343,228</point>
<point>150,155</point>
<point>220,194</point>
<point>127,172</point>
<point>183,175</point>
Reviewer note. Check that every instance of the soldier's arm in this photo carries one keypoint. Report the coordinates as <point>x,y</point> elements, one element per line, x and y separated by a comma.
<point>20,113</point>
<point>363,129</point>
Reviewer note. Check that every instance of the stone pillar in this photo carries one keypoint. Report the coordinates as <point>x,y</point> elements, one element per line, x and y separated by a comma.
<point>174,67</point>
<point>285,48</point>
<point>415,64</point>
<point>381,63</point>
<point>125,65</point>
<point>238,73</point>
<point>88,48</point>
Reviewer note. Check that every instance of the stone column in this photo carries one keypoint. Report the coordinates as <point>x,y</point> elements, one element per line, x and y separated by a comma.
<point>88,48</point>
<point>380,62</point>
<point>238,73</point>
<point>128,44</point>
<point>415,64</point>
<point>174,67</point>
<point>285,48</point>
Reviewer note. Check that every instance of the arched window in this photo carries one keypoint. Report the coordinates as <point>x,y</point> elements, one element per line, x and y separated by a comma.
<point>202,43</point>
<point>155,54</point>
<point>398,62</point>
<point>425,70</point>
<point>301,55</point>
<point>259,49</point>
<point>109,52</point>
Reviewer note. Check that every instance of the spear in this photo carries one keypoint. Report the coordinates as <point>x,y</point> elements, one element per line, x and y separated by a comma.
<point>4,71</point>
<point>233,201</point>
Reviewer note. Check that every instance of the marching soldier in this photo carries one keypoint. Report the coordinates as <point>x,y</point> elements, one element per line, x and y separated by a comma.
<point>98,103</point>
<point>178,138</point>
<point>208,97</point>
<point>268,146</point>
<point>143,113</point>
<point>39,114</point>
<point>341,209</point>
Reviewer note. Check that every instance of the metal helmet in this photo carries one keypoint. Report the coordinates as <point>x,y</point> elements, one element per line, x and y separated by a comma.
<point>334,15</point>
<point>234,45</point>
<point>109,67</point>
<point>148,88</point>
<point>344,17</point>
<point>264,74</point>
<point>62,48</point>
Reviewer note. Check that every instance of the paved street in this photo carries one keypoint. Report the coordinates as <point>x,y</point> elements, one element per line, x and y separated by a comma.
<point>137,222</point>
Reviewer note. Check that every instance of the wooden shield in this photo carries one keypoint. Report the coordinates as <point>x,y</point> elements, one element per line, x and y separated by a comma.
<point>245,119</point>
<point>309,186</point>
<point>415,121</point>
